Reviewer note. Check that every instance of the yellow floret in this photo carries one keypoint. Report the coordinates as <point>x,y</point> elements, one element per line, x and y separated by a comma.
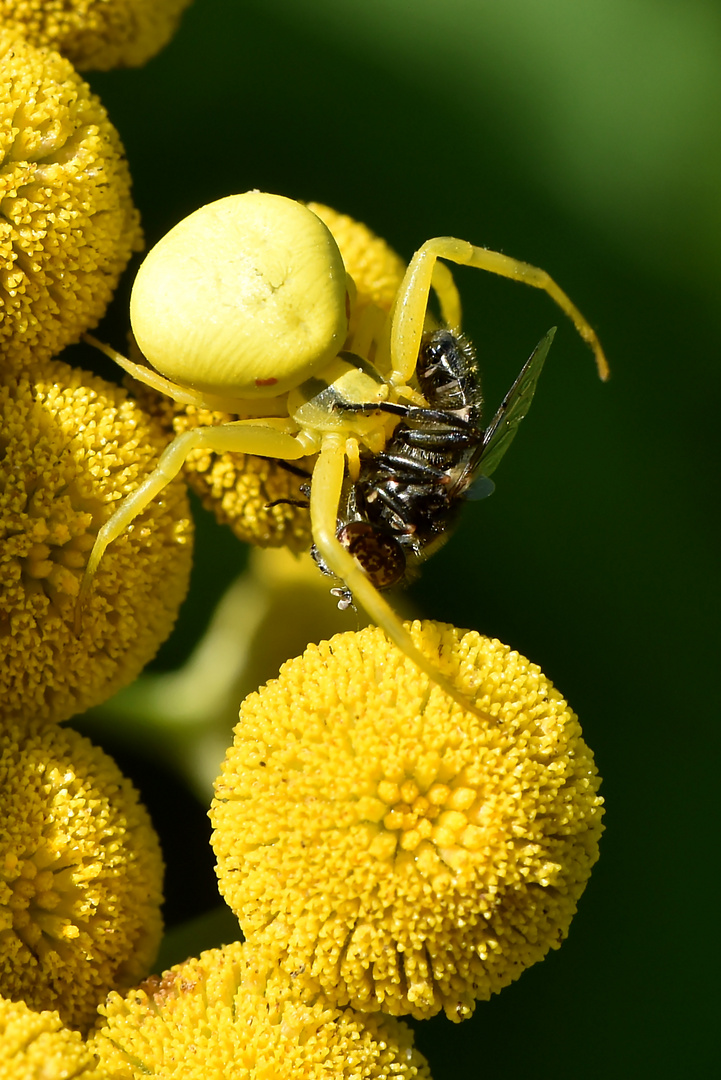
<point>36,1046</point>
<point>72,446</point>
<point>80,874</point>
<point>96,34</point>
<point>230,1016</point>
<point>68,224</point>
<point>238,488</point>
<point>375,268</point>
<point>407,855</point>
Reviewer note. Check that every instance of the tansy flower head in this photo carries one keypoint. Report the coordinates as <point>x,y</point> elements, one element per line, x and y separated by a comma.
<point>230,1016</point>
<point>72,445</point>
<point>80,874</point>
<point>406,854</point>
<point>257,497</point>
<point>68,223</point>
<point>376,269</point>
<point>36,1046</point>
<point>96,34</point>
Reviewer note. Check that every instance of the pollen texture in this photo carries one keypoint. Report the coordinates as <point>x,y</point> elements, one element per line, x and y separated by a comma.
<point>375,268</point>
<point>409,856</point>
<point>71,446</point>
<point>229,1015</point>
<point>37,1046</point>
<point>80,874</point>
<point>67,221</point>
<point>96,34</point>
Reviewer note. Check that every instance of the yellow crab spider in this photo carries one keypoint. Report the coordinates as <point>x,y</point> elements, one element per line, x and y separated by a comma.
<point>244,307</point>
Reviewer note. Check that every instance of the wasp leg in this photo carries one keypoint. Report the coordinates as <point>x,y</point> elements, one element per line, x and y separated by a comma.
<point>302,504</point>
<point>296,470</point>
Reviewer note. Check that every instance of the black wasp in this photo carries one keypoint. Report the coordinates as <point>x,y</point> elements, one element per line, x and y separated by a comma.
<point>406,499</point>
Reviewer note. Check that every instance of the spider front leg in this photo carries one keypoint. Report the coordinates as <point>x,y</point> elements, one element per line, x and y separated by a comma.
<point>423,274</point>
<point>240,436</point>
<point>184,395</point>
<point>325,497</point>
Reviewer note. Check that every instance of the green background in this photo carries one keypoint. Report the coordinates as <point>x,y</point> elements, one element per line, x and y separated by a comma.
<point>582,137</point>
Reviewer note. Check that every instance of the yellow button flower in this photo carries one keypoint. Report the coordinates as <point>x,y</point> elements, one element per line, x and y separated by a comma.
<point>96,34</point>
<point>36,1046</point>
<point>376,269</point>
<point>238,488</point>
<point>72,445</point>
<point>408,855</point>
<point>80,874</point>
<point>229,1016</point>
<point>68,223</point>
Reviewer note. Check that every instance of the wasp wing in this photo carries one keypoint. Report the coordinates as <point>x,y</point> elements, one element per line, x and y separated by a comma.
<point>499,434</point>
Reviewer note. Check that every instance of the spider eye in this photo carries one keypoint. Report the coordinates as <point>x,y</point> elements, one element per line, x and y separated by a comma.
<point>246,297</point>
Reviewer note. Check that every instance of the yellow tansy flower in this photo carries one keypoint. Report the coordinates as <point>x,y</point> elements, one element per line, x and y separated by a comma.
<point>406,854</point>
<point>376,269</point>
<point>73,445</point>
<point>238,488</point>
<point>97,34</point>
<point>80,874</point>
<point>229,1016</point>
<point>37,1046</point>
<point>68,223</point>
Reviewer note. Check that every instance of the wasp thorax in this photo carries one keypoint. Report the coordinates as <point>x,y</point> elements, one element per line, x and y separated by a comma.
<point>246,297</point>
<point>447,373</point>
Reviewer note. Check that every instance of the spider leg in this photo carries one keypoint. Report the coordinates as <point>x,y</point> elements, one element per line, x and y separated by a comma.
<point>240,436</point>
<point>146,375</point>
<point>422,274</point>
<point>185,395</point>
<point>325,498</point>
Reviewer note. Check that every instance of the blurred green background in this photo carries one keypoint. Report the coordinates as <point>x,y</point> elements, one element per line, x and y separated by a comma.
<point>583,137</point>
